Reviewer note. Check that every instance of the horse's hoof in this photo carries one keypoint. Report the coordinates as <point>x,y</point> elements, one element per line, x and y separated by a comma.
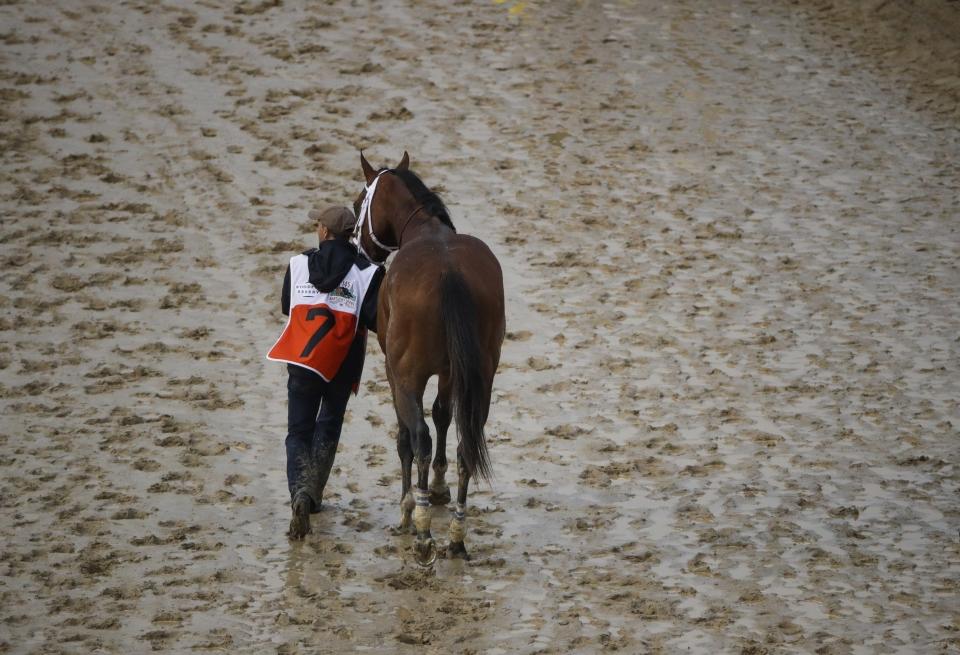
<point>440,496</point>
<point>300,518</point>
<point>425,552</point>
<point>456,550</point>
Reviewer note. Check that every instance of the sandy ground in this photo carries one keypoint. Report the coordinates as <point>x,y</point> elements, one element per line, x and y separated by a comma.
<point>727,414</point>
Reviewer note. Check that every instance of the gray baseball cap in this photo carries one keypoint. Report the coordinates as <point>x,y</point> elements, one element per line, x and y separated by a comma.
<point>339,220</point>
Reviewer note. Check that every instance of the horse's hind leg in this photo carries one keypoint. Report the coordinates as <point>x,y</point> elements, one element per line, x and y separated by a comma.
<point>405,451</point>
<point>458,528</point>
<point>410,412</point>
<point>439,491</point>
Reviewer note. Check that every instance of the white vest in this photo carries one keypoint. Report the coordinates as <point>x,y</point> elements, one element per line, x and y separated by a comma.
<point>321,326</point>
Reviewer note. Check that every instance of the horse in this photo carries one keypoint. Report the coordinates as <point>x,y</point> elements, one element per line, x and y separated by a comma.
<point>440,313</point>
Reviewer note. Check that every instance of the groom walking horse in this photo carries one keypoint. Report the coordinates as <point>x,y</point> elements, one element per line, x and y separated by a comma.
<point>440,312</point>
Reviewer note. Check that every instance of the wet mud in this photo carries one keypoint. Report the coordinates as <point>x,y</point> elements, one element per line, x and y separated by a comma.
<point>726,418</point>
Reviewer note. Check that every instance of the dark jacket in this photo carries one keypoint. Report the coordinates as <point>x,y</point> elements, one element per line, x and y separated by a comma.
<point>328,264</point>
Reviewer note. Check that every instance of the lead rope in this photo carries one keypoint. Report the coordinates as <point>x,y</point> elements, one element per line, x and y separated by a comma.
<point>367,217</point>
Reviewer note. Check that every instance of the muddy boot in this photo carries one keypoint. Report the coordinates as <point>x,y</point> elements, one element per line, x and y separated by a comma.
<point>318,472</point>
<point>300,516</point>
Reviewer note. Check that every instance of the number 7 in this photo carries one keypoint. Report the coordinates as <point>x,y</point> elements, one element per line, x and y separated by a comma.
<point>321,332</point>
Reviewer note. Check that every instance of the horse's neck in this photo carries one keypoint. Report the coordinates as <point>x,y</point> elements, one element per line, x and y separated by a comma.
<point>429,227</point>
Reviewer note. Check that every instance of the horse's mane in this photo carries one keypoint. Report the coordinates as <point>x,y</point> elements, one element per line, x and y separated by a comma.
<point>431,202</point>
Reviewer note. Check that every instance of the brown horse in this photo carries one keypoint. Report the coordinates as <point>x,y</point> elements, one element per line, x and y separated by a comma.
<point>440,312</point>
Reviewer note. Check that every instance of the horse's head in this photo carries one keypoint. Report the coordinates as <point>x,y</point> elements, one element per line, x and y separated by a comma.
<point>375,233</point>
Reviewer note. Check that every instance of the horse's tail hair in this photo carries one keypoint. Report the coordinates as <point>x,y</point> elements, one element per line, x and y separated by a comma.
<point>470,401</point>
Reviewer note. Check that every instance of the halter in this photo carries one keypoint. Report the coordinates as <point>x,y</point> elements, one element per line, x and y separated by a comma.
<point>366,216</point>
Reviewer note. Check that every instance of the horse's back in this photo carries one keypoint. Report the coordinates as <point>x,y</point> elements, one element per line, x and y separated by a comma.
<point>411,298</point>
<point>414,276</point>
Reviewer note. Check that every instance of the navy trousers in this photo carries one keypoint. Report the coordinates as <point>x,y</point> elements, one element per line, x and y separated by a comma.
<point>315,410</point>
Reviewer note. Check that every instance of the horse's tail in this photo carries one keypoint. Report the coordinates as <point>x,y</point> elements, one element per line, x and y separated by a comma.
<point>470,401</point>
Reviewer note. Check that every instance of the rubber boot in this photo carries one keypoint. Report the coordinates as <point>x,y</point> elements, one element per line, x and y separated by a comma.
<point>299,516</point>
<point>318,472</point>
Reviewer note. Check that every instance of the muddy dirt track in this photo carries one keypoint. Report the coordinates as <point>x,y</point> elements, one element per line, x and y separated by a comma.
<point>726,418</point>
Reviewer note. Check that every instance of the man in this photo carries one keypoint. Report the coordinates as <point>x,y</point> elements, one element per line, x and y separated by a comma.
<point>330,296</point>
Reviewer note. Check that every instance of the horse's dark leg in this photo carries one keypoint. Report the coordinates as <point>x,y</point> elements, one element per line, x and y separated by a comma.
<point>439,491</point>
<point>458,527</point>
<point>425,548</point>
<point>410,412</point>
<point>405,451</point>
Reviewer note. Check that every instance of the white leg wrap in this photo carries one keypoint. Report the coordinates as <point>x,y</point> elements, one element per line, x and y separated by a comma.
<point>458,529</point>
<point>421,513</point>
<point>421,518</point>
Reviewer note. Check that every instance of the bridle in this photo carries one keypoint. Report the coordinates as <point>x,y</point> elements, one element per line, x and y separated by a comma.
<point>366,216</point>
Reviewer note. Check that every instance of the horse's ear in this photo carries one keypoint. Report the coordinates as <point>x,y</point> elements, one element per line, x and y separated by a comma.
<point>368,171</point>
<point>404,163</point>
